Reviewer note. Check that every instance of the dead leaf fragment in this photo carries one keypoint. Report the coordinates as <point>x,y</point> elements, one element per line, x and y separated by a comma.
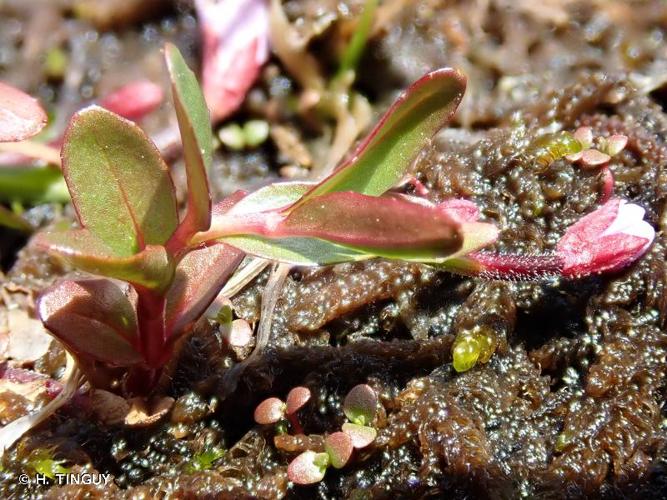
<point>144,413</point>
<point>22,338</point>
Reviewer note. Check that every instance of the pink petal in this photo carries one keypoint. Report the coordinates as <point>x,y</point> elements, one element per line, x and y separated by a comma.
<point>611,237</point>
<point>134,100</point>
<point>235,38</point>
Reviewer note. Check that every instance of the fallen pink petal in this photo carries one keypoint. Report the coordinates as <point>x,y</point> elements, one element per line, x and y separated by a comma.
<point>608,239</point>
<point>235,46</point>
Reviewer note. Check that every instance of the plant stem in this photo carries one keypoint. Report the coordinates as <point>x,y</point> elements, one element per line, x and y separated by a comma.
<point>511,266</point>
<point>152,333</point>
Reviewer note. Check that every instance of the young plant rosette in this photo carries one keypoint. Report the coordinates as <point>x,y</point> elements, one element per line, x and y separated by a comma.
<point>162,271</point>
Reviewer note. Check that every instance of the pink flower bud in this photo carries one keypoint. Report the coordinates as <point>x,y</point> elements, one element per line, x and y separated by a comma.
<point>134,100</point>
<point>236,45</point>
<point>611,237</point>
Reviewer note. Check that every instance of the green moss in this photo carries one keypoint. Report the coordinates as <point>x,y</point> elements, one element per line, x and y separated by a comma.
<point>205,459</point>
<point>41,461</point>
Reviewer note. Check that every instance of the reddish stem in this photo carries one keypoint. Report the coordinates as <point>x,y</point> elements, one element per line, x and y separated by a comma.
<point>140,380</point>
<point>152,332</point>
<point>296,426</point>
<point>523,267</point>
<point>607,185</point>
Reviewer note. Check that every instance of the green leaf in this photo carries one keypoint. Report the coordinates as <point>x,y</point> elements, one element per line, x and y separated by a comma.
<point>355,48</point>
<point>199,277</point>
<point>21,116</point>
<point>297,251</point>
<point>14,221</point>
<point>32,185</point>
<point>94,318</point>
<point>271,197</point>
<point>151,268</point>
<point>120,186</point>
<point>195,125</point>
<point>384,157</point>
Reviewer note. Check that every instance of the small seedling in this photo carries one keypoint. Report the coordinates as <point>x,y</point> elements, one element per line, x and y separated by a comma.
<point>41,461</point>
<point>360,407</point>
<point>273,410</point>
<point>591,156</point>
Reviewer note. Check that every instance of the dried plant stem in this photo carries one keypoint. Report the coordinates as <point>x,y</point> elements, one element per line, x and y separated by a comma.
<point>243,276</point>
<point>270,296</point>
<point>71,380</point>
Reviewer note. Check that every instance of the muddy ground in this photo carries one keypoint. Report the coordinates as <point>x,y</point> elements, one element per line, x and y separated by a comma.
<point>571,404</point>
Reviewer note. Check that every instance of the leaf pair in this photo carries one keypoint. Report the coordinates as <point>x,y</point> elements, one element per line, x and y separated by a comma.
<point>123,193</point>
<point>97,318</point>
<point>345,217</point>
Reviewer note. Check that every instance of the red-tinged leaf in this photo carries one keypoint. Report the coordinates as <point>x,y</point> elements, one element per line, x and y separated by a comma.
<point>352,219</point>
<point>269,411</point>
<point>134,100</point>
<point>383,158</point>
<point>268,235</point>
<point>195,126</point>
<point>120,186</point>
<point>360,404</point>
<point>308,468</point>
<point>296,398</point>
<point>199,277</point>
<point>235,36</point>
<point>94,319</point>
<point>361,435</point>
<point>373,222</point>
<point>21,116</point>
<point>151,268</point>
<point>339,447</point>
